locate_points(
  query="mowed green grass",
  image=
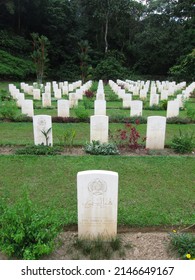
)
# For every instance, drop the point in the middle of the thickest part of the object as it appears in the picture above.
(152, 190)
(21, 133)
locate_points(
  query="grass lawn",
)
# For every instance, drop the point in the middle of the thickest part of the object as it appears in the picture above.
(22, 133)
(152, 190)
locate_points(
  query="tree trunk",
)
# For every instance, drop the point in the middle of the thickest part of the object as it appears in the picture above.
(106, 35)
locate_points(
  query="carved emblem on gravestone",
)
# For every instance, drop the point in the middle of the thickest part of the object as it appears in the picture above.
(97, 187)
(42, 123)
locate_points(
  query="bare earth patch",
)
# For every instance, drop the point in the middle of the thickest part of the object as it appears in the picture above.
(136, 246)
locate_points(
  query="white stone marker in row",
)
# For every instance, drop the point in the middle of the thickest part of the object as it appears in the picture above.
(36, 94)
(99, 128)
(136, 108)
(46, 99)
(155, 135)
(42, 124)
(154, 99)
(63, 108)
(27, 108)
(97, 201)
(127, 98)
(99, 107)
(172, 108)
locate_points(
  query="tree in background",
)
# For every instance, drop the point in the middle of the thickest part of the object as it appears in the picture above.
(84, 59)
(40, 55)
(184, 69)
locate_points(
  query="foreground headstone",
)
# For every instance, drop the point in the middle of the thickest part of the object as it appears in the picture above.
(97, 200)
(99, 128)
(42, 125)
(63, 108)
(27, 108)
(155, 135)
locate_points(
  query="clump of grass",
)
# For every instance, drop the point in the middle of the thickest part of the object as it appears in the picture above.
(99, 249)
(184, 245)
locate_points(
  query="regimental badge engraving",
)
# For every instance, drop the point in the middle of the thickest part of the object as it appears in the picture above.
(97, 187)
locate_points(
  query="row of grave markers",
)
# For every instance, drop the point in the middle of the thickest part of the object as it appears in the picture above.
(136, 106)
(99, 128)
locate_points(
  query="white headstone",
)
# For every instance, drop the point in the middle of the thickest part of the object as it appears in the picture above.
(164, 94)
(27, 108)
(20, 98)
(58, 93)
(136, 108)
(99, 107)
(63, 108)
(172, 108)
(143, 94)
(46, 99)
(127, 98)
(154, 99)
(97, 200)
(155, 135)
(73, 100)
(99, 128)
(42, 124)
(36, 94)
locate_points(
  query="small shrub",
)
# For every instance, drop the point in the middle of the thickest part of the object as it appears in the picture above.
(89, 94)
(4, 95)
(164, 104)
(99, 249)
(184, 244)
(67, 138)
(178, 120)
(8, 109)
(190, 113)
(39, 150)
(88, 104)
(129, 136)
(96, 148)
(184, 143)
(27, 232)
(81, 113)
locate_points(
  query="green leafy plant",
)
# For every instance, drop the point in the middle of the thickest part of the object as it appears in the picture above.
(183, 143)
(97, 148)
(40, 54)
(46, 134)
(8, 109)
(99, 249)
(88, 104)
(38, 150)
(190, 113)
(67, 139)
(81, 113)
(26, 231)
(184, 244)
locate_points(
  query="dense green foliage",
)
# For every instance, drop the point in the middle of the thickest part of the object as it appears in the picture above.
(96, 148)
(26, 231)
(152, 38)
(184, 244)
(184, 142)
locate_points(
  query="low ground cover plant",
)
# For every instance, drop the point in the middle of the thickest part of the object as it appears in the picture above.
(97, 148)
(184, 244)
(184, 142)
(39, 150)
(26, 231)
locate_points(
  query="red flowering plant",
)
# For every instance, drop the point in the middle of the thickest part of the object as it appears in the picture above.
(89, 93)
(129, 136)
